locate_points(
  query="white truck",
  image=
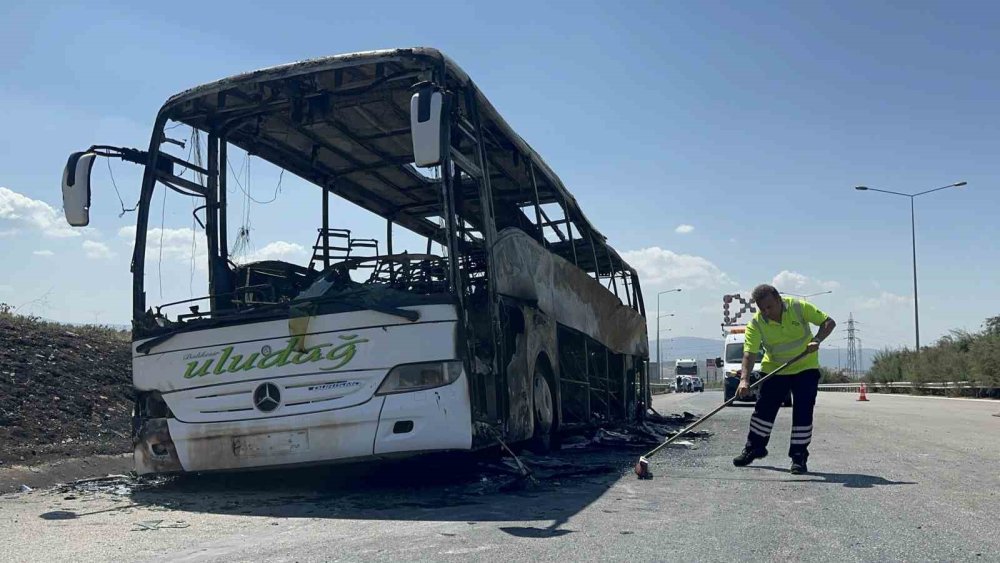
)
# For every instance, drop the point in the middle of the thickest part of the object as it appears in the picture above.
(688, 378)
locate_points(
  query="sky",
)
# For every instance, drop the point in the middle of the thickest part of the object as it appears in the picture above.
(716, 146)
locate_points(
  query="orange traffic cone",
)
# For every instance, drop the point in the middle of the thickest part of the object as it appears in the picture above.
(864, 393)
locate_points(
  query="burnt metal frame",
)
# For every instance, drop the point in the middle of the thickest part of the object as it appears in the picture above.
(484, 137)
(215, 205)
(489, 233)
(215, 194)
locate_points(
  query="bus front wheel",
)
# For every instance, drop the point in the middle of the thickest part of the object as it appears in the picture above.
(543, 408)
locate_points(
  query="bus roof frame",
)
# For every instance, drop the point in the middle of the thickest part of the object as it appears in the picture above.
(204, 107)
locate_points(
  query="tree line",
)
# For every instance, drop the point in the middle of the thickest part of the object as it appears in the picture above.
(973, 357)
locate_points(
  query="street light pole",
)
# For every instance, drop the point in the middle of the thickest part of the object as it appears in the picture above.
(659, 366)
(806, 296)
(913, 238)
(916, 307)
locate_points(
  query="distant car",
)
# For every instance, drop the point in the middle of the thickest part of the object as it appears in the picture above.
(688, 384)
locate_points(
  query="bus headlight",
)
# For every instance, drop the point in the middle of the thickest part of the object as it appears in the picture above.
(417, 377)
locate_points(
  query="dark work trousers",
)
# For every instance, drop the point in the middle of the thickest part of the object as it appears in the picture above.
(803, 386)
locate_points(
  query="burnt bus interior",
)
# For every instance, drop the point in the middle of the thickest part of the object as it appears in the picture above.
(344, 124)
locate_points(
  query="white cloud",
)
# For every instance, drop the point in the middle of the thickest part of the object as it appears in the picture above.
(177, 244)
(97, 250)
(886, 300)
(657, 266)
(43, 253)
(21, 210)
(794, 282)
(278, 250)
(684, 229)
(9, 232)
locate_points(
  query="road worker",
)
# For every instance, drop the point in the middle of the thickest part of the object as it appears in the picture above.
(781, 326)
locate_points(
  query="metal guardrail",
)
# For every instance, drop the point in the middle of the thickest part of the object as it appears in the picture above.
(660, 388)
(856, 386)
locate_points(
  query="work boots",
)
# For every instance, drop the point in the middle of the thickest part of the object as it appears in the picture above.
(748, 455)
(799, 464)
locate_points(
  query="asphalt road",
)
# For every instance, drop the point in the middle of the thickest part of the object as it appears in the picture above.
(897, 478)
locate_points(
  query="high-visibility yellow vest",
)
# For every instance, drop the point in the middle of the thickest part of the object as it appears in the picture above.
(784, 340)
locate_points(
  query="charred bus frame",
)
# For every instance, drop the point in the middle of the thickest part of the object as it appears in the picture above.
(536, 286)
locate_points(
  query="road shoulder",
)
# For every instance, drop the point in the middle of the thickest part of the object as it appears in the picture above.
(62, 471)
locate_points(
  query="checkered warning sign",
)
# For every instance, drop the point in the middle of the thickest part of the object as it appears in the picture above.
(730, 318)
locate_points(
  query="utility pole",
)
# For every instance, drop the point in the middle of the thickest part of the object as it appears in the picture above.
(853, 365)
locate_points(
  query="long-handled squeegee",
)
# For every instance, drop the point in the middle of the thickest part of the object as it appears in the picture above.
(642, 466)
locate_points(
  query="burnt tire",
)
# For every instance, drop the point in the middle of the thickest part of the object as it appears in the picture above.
(543, 440)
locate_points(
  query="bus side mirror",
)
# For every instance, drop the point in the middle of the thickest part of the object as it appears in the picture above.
(76, 188)
(426, 126)
(718, 362)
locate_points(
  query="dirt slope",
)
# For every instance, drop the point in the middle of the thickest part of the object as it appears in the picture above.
(64, 390)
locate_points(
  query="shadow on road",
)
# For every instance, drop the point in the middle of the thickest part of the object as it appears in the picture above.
(849, 480)
(442, 488)
(447, 487)
(69, 515)
(536, 533)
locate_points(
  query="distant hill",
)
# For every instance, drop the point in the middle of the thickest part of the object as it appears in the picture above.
(702, 348)
(686, 347)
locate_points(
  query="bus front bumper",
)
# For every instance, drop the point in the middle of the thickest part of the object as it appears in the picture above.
(436, 419)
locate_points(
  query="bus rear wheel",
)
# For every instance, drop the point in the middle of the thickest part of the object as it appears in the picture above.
(543, 439)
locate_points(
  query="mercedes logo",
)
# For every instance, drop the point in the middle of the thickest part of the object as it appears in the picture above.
(266, 397)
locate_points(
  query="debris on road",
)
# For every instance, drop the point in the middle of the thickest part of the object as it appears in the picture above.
(26, 489)
(597, 456)
(119, 485)
(113, 484)
(654, 430)
(158, 525)
(523, 471)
